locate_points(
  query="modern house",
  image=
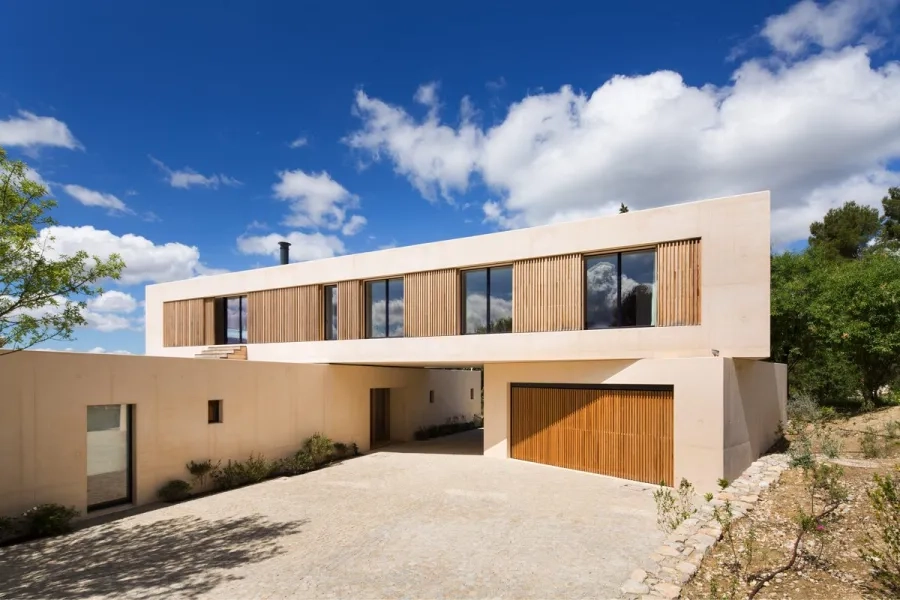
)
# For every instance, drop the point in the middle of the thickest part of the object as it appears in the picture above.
(628, 345)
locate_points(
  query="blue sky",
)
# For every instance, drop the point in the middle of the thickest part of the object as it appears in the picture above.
(165, 130)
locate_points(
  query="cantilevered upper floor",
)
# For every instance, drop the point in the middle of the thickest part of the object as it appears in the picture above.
(677, 281)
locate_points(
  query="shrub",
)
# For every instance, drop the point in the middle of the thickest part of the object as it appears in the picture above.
(421, 433)
(354, 449)
(830, 445)
(802, 408)
(477, 421)
(883, 549)
(300, 462)
(7, 527)
(237, 473)
(870, 444)
(48, 519)
(319, 447)
(341, 450)
(201, 470)
(800, 453)
(175, 490)
(673, 508)
(892, 429)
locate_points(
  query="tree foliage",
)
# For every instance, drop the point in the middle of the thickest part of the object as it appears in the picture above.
(42, 294)
(845, 231)
(623, 208)
(836, 306)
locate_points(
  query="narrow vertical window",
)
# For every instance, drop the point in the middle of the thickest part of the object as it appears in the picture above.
(236, 320)
(395, 308)
(488, 300)
(214, 411)
(331, 317)
(638, 288)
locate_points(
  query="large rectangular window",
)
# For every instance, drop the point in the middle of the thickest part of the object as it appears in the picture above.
(488, 300)
(384, 308)
(620, 290)
(236, 320)
(331, 316)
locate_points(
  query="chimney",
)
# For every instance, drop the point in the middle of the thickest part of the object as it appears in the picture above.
(285, 252)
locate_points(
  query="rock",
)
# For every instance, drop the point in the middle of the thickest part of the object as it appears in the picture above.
(638, 575)
(749, 499)
(686, 567)
(702, 538)
(667, 551)
(667, 590)
(635, 587)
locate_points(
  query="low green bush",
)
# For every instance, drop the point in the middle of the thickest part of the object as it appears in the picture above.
(237, 473)
(174, 490)
(7, 527)
(882, 551)
(453, 425)
(320, 448)
(202, 470)
(870, 444)
(297, 463)
(48, 519)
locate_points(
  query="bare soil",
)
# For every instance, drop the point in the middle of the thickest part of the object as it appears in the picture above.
(830, 565)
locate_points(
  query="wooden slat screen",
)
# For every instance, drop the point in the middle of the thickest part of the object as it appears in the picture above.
(285, 315)
(622, 433)
(431, 303)
(183, 323)
(548, 294)
(678, 278)
(209, 321)
(351, 321)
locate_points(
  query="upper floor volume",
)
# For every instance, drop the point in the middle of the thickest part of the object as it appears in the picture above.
(683, 280)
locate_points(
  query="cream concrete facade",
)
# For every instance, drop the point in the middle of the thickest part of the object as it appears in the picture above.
(268, 408)
(734, 291)
(726, 410)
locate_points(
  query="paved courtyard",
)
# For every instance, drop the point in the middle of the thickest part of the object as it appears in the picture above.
(419, 520)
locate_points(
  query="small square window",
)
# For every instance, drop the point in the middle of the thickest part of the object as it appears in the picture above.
(215, 411)
(431, 396)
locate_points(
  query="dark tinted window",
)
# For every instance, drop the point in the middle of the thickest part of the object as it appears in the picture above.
(384, 312)
(620, 290)
(601, 292)
(488, 300)
(475, 294)
(331, 319)
(236, 320)
(637, 281)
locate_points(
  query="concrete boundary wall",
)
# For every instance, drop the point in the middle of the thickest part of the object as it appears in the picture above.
(268, 408)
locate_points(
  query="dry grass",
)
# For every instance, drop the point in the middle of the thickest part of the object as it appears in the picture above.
(830, 565)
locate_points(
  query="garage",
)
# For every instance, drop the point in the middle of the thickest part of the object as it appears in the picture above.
(618, 430)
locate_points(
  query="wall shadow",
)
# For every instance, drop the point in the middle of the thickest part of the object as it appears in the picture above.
(184, 556)
(470, 443)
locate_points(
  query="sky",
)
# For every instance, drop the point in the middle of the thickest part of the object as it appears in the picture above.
(191, 137)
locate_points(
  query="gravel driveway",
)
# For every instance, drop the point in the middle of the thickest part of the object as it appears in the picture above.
(419, 520)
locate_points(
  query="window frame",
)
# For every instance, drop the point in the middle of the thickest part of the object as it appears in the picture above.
(328, 312)
(387, 307)
(487, 291)
(243, 333)
(584, 282)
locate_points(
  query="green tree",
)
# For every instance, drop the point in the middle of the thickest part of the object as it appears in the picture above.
(845, 231)
(859, 310)
(42, 296)
(890, 223)
(623, 208)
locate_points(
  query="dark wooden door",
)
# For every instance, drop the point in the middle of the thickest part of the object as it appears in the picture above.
(380, 416)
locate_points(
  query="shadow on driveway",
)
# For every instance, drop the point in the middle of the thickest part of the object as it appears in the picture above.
(466, 443)
(185, 556)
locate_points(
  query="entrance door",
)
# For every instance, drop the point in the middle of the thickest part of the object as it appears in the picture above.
(380, 416)
(109, 460)
(623, 431)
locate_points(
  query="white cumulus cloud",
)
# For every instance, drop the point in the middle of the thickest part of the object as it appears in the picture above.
(145, 261)
(304, 246)
(298, 142)
(816, 132)
(113, 301)
(829, 26)
(93, 198)
(29, 130)
(187, 177)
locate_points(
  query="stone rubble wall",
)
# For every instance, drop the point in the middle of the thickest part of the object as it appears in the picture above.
(674, 563)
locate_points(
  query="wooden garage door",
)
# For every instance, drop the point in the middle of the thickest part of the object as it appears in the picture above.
(623, 431)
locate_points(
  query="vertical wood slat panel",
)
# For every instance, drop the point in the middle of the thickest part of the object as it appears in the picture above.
(548, 294)
(622, 433)
(432, 303)
(351, 306)
(209, 321)
(678, 278)
(284, 315)
(183, 323)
